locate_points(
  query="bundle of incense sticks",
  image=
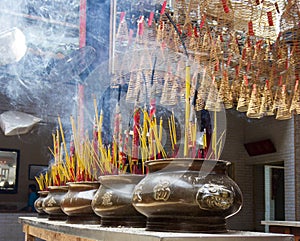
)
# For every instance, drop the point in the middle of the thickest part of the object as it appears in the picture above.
(43, 181)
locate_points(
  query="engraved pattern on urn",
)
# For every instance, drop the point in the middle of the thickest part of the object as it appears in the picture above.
(106, 199)
(51, 202)
(214, 197)
(137, 195)
(162, 191)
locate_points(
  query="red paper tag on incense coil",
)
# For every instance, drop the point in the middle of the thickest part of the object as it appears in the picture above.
(280, 81)
(246, 81)
(244, 54)
(189, 32)
(151, 16)
(225, 74)
(296, 85)
(270, 18)
(229, 60)
(259, 44)
(225, 6)
(217, 65)
(202, 21)
(141, 26)
(221, 38)
(161, 25)
(287, 64)
(249, 44)
(122, 16)
(277, 7)
(250, 28)
(254, 88)
(257, 2)
(268, 84)
(196, 32)
(248, 66)
(179, 28)
(237, 70)
(163, 8)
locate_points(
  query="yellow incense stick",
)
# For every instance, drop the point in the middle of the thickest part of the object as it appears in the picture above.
(171, 135)
(173, 128)
(187, 107)
(160, 129)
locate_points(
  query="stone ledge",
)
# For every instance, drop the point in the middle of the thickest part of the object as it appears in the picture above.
(96, 232)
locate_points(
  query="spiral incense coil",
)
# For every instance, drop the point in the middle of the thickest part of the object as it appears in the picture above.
(159, 32)
(290, 32)
(122, 35)
(176, 42)
(295, 105)
(139, 88)
(276, 101)
(254, 104)
(244, 98)
(266, 107)
(283, 111)
(167, 89)
(234, 89)
(213, 102)
(180, 11)
(174, 95)
(193, 45)
(200, 103)
(233, 46)
(130, 96)
(225, 92)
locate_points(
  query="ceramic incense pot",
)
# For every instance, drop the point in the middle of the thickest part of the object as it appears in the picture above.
(38, 204)
(187, 195)
(77, 203)
(51, 203)
(112, 202)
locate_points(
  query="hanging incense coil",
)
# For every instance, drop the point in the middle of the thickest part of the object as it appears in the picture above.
(264, 26)
(202, 91)
(225, 92)
(235, 89)
(218, 11)
(213, 102)
(167, 89)
(244, 98)
(122, 36)
(193, 13)
(193, 44)
(254, 104)
(130, 96)
(266, 107)
(290, 32)
(283, 111)
(276, 101)
(295, 105)
(180, 11)
(174, 94)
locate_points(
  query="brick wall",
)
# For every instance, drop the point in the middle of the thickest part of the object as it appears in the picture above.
(297, 165)
(249, 171)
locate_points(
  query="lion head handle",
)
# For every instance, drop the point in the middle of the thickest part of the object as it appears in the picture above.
(214, 197)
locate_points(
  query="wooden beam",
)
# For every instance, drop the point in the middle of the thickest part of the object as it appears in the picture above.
(34, 232)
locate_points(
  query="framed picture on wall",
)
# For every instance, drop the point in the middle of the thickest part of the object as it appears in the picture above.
(36, 170)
